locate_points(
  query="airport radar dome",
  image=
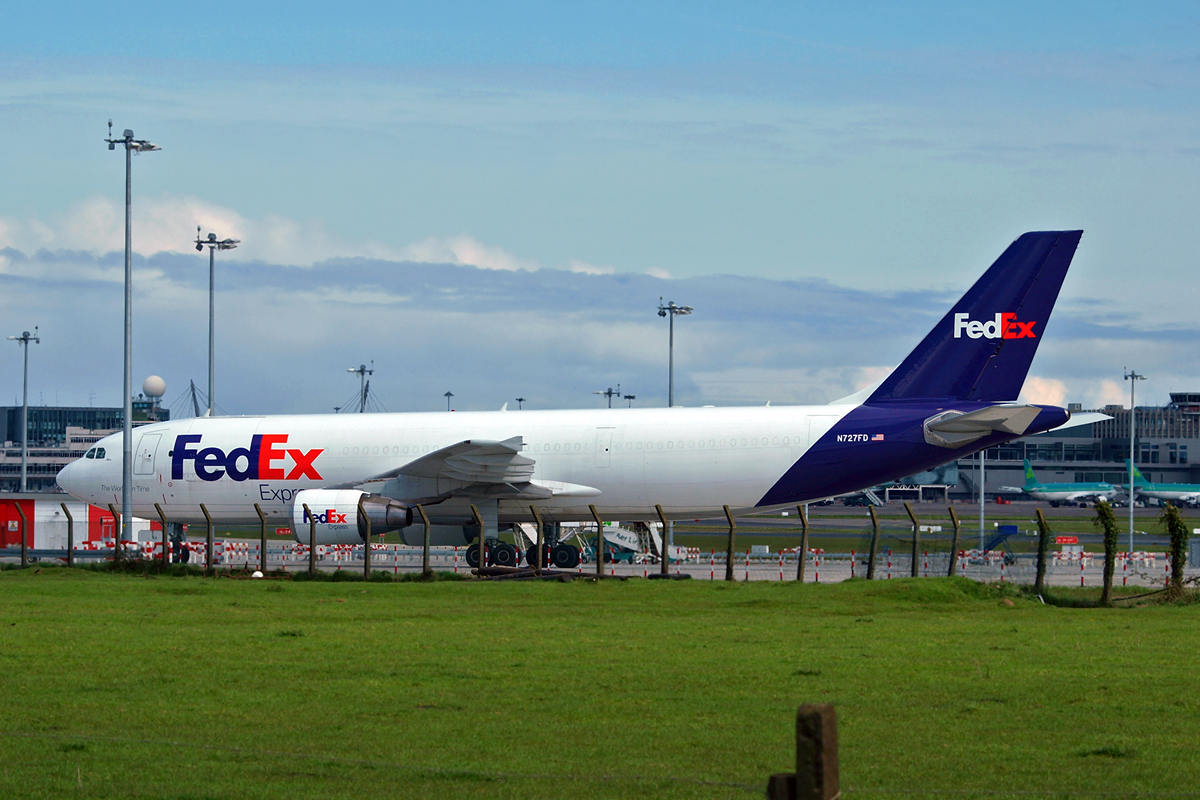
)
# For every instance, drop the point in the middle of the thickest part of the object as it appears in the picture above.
(154, 386)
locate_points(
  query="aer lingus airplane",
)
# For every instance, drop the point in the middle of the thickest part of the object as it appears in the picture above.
(953, 395)
(1173, 492)
(1062, 492)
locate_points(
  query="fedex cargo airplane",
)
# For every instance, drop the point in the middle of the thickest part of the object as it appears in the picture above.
(954, 395)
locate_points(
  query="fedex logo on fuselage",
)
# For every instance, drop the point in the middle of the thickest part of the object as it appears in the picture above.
(328, 517)
(255, 462)
(1003, 326)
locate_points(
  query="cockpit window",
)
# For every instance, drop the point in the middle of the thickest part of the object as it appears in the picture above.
(90, 453)
(99, 452)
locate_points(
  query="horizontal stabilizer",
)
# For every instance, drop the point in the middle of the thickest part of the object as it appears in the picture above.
(957, 429)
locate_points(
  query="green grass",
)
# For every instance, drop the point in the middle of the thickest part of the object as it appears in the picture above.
(185, 687)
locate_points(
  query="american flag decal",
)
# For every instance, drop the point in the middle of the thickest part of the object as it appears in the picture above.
(877, 437)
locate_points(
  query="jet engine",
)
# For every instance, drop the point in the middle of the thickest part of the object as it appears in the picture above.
(337, 516)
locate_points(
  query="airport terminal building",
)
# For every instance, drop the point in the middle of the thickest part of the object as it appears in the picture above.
(1167, 450)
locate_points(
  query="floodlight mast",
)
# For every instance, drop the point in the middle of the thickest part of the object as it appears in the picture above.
(362, 372)
(24, 339)
(131, 146)
(671, 310)
(213, 245)
(1133, 378)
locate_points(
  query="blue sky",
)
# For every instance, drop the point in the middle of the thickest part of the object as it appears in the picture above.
(889, 150)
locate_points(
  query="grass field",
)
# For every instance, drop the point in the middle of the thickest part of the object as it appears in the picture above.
(121, 686)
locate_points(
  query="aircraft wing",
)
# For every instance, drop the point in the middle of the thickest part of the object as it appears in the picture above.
(475, 461)
(957, 429)
(471, 468)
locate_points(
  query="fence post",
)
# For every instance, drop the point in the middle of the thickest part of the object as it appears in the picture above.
(163, 519)
(816, 775)
(312, 540)
(729, 546)
(208, 542)
(953, 543)
(541, 540)
(425, 570)
(916, 541)
(116, 531)
(874, 543)
(24, 535)
(1043, 542)
(262, 539)
(803, 542)
(665, 554)
(70, 536)
(362, 514)
(482, 547)
(599, 541)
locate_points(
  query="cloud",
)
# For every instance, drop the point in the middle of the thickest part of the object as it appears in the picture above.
(575, 265)
(464, 249)
(659, 272)
(1044, 391)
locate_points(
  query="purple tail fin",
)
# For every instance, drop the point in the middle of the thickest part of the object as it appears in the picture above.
(982, 349)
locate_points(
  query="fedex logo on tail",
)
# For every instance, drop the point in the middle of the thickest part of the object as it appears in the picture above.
(1003, 326)
(265, 459)
(328, 517)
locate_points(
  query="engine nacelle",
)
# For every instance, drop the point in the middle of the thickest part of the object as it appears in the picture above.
(337, 517)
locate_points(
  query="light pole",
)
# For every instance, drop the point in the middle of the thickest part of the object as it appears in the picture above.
(630, 398)
(131, 146)
(520, 402)
(213, 246)
(448, 395)
(1133, 378)
(24, 339)
(671, 310)
(362, 372)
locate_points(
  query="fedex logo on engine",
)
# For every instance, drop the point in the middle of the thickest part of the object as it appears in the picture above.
(327, 517)
(1003, 326)
(255, 462)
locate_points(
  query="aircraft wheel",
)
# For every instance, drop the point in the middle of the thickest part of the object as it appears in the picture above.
(504, 555)
(473, 556)
(531, 557)
(564, 556)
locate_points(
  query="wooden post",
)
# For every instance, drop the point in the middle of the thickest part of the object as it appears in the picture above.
(916, 540)
(162, 518)
(312, 540)
(803, 543)
(70, 536)
(362, 514)
(208, 541)
(599, 540)
(116, 532)
(425, 569)
(665, 554)
(874, 544)
(262, 536)
(482, 548)
(954, 543)
(816, 776)
(1043, 542)
(730, 545)
(24, 535)
(541, 540)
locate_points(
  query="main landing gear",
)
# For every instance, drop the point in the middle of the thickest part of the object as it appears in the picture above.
(560, 556)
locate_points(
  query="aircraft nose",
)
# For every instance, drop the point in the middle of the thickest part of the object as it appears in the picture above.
(64, 478)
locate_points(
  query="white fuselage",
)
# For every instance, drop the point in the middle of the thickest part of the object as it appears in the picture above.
(691, 461)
